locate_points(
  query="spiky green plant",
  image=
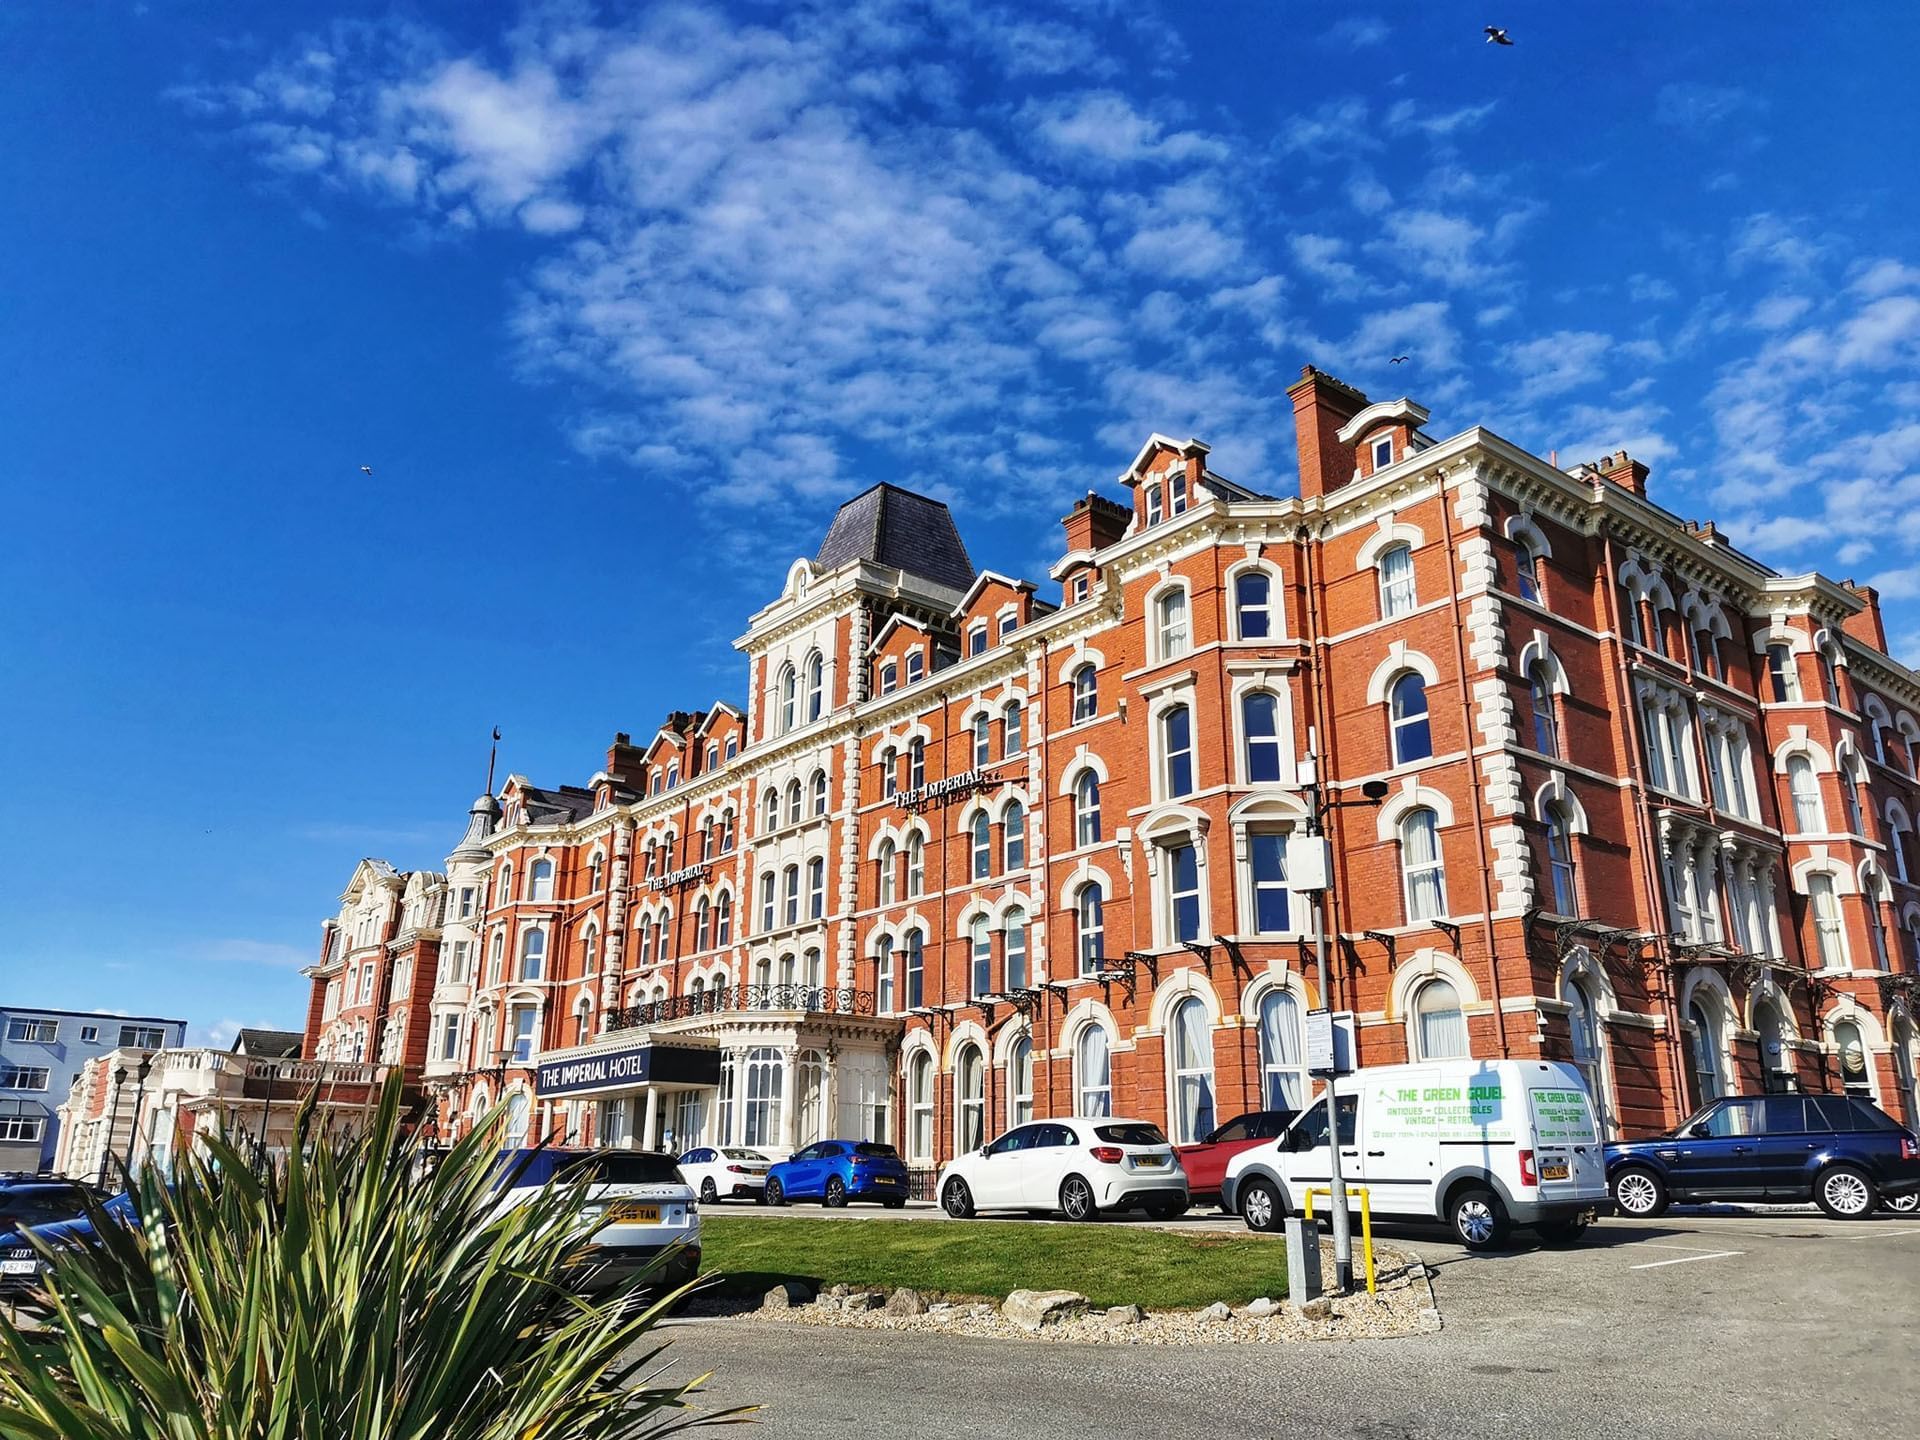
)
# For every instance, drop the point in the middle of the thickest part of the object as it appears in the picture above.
(343, 1294)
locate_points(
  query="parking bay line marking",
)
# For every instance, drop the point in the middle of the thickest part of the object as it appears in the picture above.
(1879, 1235)
(1687, 1259)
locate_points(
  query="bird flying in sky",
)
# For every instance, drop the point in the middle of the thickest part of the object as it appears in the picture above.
(366, 470)
(1399, 360)
(1497, 36)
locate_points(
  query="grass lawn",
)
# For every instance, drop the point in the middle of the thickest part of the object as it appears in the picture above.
(1109, 1264)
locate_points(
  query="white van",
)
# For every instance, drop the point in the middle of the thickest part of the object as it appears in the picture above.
(1484, 1145)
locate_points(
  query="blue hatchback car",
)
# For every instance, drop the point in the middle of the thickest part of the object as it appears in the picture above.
(836, 1171)
(1843, 1153)
(21, 1265)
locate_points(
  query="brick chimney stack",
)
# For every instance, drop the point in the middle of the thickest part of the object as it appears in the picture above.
(1867, 626)
(1626, 472)
(1095, 522)
(1321, 405)
(626, 762)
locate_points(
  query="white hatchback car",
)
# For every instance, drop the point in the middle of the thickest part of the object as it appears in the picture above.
(643, 1214)
(1079, 1166)
(726, 1172)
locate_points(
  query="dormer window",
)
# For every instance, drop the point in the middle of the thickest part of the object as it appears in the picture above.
(1153, 504)
(915, 664)
(1007, 624)
(889, 677)
(673, 774)
(1177, 492)
(1383, 452)
(1082, 584)
(977, 638)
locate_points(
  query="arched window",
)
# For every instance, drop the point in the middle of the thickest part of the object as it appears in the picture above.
(583, 1021)
(589, 952)
(663, 927)
(643, 939)
(1589, 1049)
(1090, 917)
(1856, 1075)
(1192, 1038)
(1526, 569)
(596, 870)
(810, 1116)
(518, 1112)
(1014, 836)
(916, 665)
(1176, 492)
(816, 685)
(1412, 735)
(977, 638)
(1783, 675)
(1154, 507)
(1253, 604)
(790, 893)
(1180, 865)
(706, 838)
(1708, 1081)
(702, 925)
(889, 676)
(1809, 814)
(884, 999)
(1439, 1025)
(1020, 1081)
(793, 802)
(1170, 623)
(773, 807)
(889, 773)
(1421, 865)
(540, 880)
(766, 1076)
(1267, 854)
(1260, 732)
(713, 756)
(920, 1107)
(979, 958)
(982, 741)
(1546, 726)
(768, 918)
(1013, 736)
(533, 954)
(1092, 1073)
(1829, 931)
(1015, 940)
(886, 863)
(1566, 898)
(813, 975)
(673, 773)
(916, 763)
(1397, 595)
(789, 687)
(915, 989)
(1282, 1052)
(1176, 750)
(980, 846)
(916, 866)
(819, 792)
(1086, 693)
(816, 888)
(969, 1100)
(723, 919)
(1086, 809)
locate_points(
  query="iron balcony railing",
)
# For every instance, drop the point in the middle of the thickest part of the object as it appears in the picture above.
(728, 999)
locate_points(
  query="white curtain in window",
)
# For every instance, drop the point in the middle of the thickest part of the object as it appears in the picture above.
(1095, 1073)
(1442, 1024)
(1193, 1072)
(1282, 1052)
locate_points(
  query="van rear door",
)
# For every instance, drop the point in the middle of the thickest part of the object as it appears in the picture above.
(1566, 1144)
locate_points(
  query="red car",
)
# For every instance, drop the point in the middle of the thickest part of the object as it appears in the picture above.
(1206, 1162)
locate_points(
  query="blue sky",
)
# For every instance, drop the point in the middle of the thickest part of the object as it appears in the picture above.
(618, 305)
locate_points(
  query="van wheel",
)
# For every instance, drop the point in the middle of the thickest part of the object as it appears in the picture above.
(1260, 1206)
(1639, 1193)
(1846, 1192)
(1478, 1218)
(957, 1200)
(1562, 1232)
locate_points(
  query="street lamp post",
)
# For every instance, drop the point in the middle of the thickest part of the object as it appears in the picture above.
(139, 1098)
(113, 1115)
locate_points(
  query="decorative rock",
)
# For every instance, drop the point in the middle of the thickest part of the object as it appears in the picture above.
(905, 1301)
(864, 1300)
(1125, 1315)
(840, 1292)
(1031, 1309)
(1320, 1308)
(1262, 1308)
(1216, 1311)
(826, 1300)
(784, 1296)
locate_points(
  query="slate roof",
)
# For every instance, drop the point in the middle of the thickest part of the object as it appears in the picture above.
(556, 807)
(896, 527)
(268, 1044)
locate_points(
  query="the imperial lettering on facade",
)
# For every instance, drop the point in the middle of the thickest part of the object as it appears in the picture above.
(598, 1070)
(1650, 810)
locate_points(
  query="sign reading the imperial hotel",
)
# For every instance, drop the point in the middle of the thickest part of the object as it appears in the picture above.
(941, 793)
(633, 1066)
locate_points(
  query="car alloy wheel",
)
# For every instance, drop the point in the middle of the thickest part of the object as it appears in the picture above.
(1846, 1194)
(1259, 1206)
(1637, 1193)
(776, 1193)
(709, 1195)
(836, 1192)
(1076, 1199)
(957, 1200)
(1904, 1204)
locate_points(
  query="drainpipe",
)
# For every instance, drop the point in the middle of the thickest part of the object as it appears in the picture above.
(1473, 776)
(1636, 761)
(1043, 1006)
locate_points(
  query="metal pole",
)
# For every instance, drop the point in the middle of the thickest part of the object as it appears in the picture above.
(113, 1115)
(266, 1114)
(1336, 1182)
(139, 1098)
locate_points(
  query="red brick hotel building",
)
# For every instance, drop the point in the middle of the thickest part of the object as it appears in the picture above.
(976, 850)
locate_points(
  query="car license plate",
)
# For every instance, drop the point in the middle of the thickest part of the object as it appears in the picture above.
(634, 1214)
(886, 1179)
(18, 1267)
(1553, 1170)
(1149, 1162)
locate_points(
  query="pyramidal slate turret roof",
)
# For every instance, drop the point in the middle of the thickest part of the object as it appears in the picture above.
(896, 527)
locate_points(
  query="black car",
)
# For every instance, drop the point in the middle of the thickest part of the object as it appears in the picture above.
(1843, 1153)
(48, 1208)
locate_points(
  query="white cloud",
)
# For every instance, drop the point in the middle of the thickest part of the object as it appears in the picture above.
(1359, 32)
(1447, 249)
(1104, 126)
(275, 953)
(1882, 277)
(1776, 312)
(1404, 117)
(1689, 106)
(1323, 257)
(1556, 363)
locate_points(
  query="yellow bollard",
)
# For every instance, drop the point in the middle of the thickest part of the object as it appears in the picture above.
(1366, 1222)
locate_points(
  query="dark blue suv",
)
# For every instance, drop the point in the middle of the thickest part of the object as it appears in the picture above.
(836, 1171)
(1841, 1152)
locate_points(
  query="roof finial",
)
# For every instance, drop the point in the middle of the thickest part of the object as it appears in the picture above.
(492, 755)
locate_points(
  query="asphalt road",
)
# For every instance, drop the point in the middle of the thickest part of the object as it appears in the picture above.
(1702, 1323)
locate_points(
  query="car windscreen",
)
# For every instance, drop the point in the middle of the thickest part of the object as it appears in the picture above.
(876, 1150)
(622, 1167)
(1130, 1134)
(744, 1155)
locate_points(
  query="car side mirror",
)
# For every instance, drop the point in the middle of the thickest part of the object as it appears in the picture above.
(1699, 1131)
(981, 1151)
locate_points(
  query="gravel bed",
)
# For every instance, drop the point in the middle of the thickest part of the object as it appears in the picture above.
(1404, 1305)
